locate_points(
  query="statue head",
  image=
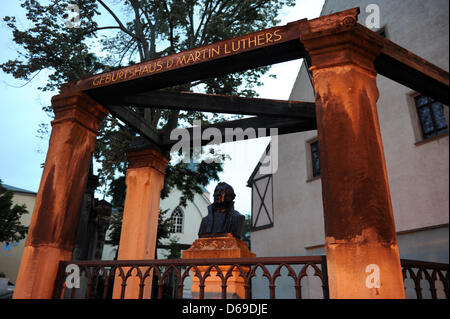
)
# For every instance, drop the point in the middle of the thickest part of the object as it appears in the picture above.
(223, 195)
(222, 218)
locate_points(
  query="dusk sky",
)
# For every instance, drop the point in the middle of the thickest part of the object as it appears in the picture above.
(22, 152)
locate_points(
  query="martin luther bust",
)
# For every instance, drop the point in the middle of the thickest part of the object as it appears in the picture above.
(222, 218)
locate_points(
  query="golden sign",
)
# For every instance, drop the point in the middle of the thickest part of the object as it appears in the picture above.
(189, 57)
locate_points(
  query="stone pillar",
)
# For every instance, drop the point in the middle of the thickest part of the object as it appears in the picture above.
(361, 244)
(56, 211)
(144, 180)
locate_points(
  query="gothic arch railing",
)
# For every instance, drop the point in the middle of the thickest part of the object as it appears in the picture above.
(422, 279)
(99, 276)
(421, 272)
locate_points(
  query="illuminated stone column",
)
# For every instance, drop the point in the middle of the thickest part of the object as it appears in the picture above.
(361, 244)
(56, 211)
(144, 180)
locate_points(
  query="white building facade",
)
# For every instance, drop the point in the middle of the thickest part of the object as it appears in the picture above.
(186, 219)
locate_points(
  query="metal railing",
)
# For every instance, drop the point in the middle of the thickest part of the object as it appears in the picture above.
(423, 273)
(169, 276)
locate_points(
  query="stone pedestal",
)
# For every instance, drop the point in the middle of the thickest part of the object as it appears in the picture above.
(213, 248)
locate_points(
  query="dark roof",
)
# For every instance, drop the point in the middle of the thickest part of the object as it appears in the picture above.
(255, 171)
(17, 189)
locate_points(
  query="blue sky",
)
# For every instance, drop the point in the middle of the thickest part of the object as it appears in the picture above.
(22, 152)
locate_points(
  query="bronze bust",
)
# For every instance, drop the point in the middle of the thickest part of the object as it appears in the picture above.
(222, 218)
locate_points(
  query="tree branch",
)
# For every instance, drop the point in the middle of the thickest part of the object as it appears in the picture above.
(191, 28)
(127, 48)
(209, 18)
(139, 33)
(156, 117)
(171, 39)
(202, 19)
(95, 30)
(121, 26)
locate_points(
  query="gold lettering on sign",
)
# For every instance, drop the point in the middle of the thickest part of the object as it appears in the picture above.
(252, 41)
(279, 37)
(145, 69)
(235, 49)
(217, 52)
(225, 49)
(204, 52)
(260, 39)
(95, 82)
(136, 70)
(192, 57)
(181, 60)
(197, 56)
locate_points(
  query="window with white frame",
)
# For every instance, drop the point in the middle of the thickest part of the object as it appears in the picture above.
(177, 220)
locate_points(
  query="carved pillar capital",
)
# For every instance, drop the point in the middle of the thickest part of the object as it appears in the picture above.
(147, 157)
(80, 108)
(341, 42)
